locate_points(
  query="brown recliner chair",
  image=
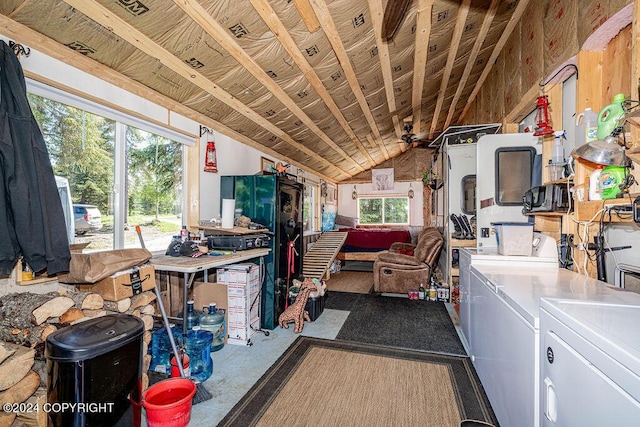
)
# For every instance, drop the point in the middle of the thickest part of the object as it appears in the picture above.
(404, 266)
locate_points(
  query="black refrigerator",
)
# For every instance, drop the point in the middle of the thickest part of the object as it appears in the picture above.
(275, 202)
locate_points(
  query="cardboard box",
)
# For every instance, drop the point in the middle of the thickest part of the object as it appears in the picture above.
(207, 292)
(123, 284)
(243, 293)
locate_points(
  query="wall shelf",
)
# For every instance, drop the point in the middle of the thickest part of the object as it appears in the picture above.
(563, 213)
(585, 211)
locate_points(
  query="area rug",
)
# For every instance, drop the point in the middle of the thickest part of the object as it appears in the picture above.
(320, 382)
(397, 322)
(351, 281)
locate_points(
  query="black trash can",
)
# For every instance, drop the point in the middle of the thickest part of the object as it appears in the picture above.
(93, 368)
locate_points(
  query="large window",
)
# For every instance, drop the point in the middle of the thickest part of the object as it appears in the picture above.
(383, 210)
(119, 176)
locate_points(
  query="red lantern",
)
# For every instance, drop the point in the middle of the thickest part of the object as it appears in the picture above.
(543, 121)
(210, 161)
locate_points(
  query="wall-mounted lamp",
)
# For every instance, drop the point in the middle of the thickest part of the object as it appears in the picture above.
(354, 194)
(410, 194)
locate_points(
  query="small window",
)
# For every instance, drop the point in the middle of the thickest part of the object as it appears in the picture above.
(383, 210)
(511, 186)
(468, 199)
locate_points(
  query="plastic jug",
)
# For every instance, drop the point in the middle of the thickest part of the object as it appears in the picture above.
(198, 350)
(610, 116)
(213, 321)
(161, 350)
(610, 180)
(586, 127)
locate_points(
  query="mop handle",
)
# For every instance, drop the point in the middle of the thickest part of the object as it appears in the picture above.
(139, 231)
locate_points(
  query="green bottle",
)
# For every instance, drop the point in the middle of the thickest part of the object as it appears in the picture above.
(610, 116)
(610, 179)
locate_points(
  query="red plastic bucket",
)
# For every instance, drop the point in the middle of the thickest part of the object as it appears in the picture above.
(168, 403)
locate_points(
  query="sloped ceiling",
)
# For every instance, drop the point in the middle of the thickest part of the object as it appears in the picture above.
(324, 92)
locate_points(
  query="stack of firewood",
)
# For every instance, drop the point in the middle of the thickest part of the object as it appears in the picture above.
(26, 319)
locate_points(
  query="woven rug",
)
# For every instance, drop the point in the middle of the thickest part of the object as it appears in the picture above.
(320, 382)
(396, 322)
(358, 282)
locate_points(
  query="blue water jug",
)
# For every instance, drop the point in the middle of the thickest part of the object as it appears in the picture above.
(610, 116)
(199, 352)
(161, 350)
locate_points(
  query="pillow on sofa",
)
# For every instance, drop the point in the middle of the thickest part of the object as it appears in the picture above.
(346, 221)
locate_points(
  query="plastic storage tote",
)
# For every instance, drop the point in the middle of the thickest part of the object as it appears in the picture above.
(514, 238)
(93, 363)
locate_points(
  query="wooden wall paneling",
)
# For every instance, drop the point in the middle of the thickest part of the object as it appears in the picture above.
(616, 74)
(589, 83)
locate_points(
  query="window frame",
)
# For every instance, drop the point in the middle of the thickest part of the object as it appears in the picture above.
(121, 120)
(388, 196)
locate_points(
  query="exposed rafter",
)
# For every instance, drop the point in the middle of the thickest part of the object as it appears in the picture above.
(276, 26)
(423, 31)
(109, 20)
(68, 56)
(513, 21)
(307, 14)
(330, 30)
(376, 12)
(482, 35)
(215, 30)
(463, 12)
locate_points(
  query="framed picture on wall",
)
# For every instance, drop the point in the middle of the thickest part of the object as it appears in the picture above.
(331, 194)
(382, 179)
(267, 165)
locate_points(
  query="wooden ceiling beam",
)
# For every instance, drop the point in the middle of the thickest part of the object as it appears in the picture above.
(377, 13)
(200, 16)
(475, 51)
(423, 32)
(307, 14)
(109, 20)
(276, 26)
(461, 19)
(52, 48)
(330, 30)
(513, 21)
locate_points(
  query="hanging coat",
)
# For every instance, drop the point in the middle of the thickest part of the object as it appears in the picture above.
(32, 222)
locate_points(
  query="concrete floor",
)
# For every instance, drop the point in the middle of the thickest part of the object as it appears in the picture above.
(237, 368)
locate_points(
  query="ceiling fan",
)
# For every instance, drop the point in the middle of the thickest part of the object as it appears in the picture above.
(410, 138)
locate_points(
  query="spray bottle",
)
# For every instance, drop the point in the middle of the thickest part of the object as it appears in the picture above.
(557, 156)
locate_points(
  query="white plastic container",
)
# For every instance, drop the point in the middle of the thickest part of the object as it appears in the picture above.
(514, 238)
(557, 157)
(594, 183)
(586, 127)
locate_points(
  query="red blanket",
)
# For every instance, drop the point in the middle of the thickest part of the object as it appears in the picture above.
(373, 239)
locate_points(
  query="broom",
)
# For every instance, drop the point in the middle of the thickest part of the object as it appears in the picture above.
(202, 394)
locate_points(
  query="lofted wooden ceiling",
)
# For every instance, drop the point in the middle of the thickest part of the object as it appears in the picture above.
(309, 81)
